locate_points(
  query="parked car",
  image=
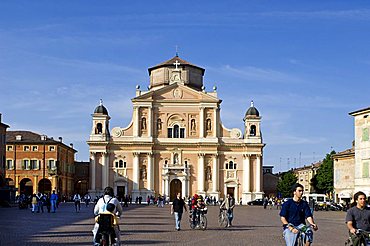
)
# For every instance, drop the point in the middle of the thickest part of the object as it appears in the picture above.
(258, 202)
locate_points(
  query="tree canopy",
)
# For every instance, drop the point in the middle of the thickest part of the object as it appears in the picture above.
(285, 184)
(323, 181)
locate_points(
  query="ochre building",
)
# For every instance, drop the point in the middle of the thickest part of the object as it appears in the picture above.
(36, 163)
(176, 142)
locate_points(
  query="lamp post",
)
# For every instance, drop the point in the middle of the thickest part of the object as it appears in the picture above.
(15, 166)
(43, 138)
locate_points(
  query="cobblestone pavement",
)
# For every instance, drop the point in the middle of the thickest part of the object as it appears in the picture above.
(149, 225)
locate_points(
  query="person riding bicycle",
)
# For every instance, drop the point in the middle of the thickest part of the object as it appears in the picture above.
(112, 228)
(197, 203)
(358, 217)
(101, 206)
(228, 204)
(294, 214)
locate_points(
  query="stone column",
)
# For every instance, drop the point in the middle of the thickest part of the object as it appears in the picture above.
(201, 173)
(16, 184)
(215, 176)
(107, 168)
(92, 171)
(54, 183)
(150, 173)
(104, 171)
(136, 121)
(136, 174)
(35, 181)
(150, 122)
(215, 124)
(201, 123)
(246, 173)
(258, 174)
(166, 184)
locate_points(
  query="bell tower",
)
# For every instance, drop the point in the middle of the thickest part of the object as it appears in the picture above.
(252, 122)
(100, 126)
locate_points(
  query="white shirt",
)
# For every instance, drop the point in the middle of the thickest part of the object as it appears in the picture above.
(100, 205)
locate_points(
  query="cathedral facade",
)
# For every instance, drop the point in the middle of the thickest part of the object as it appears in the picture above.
(176, 142)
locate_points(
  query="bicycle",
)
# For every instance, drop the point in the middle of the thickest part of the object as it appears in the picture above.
(200, 219)
(364, 238)
(223, 220)
(301, 237)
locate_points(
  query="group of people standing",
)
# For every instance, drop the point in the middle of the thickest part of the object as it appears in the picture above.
(39, 201)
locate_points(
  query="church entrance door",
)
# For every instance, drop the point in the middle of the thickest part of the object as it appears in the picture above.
(231, 190)
(175, 187)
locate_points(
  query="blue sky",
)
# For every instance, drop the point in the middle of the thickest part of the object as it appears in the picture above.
(306, 65)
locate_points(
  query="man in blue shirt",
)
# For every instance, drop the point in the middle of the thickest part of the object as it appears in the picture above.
(293, 215)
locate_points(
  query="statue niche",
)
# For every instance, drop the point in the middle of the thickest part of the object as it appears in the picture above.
(143, 123)
(143, 172)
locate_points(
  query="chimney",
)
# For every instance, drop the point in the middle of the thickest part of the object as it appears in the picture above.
(0, 117)
(43, 137)
(60, 139)
(71, 145)
(18, 137)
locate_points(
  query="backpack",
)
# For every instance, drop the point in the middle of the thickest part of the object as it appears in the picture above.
(104, 207)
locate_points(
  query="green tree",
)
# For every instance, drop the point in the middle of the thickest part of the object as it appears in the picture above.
(323, 181)
(285, 183)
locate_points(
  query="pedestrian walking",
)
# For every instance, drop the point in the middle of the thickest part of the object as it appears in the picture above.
(34, 203)
(53, 201)
(77, 200)
(40, 201)
(177, 208)
(87, 199)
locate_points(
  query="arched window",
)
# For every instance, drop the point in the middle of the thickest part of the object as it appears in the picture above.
(120, 164)
(176, 132)
(230, 165)
(99, 128)
(253, 130)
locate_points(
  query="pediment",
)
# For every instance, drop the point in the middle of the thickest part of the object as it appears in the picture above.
(177, 92)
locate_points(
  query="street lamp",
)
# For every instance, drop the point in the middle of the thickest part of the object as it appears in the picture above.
(43, 138)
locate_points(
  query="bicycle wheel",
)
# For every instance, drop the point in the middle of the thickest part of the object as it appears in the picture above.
(192, 226)
(203, 222)
(222, 220)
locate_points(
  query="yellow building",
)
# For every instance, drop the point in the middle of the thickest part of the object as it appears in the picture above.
(176, 142)
(305, 174)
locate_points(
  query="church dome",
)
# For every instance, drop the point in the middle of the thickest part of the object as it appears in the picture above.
(176, 70)
(101, 109)
(252, 111)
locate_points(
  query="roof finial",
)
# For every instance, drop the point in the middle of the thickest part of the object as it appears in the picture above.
(177, 50)
(101, 102)
(252, 103)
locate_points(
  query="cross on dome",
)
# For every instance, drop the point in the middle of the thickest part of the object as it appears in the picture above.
(101, 102)
(252, 103)
(177, 64)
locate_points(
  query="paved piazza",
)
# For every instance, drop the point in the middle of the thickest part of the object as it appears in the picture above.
(149, 225)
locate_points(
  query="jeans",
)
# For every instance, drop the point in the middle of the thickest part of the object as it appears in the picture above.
(77, 205)
(53, 205)
(291, 237)
(40, 206)
(230, 216)
(178, 219)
